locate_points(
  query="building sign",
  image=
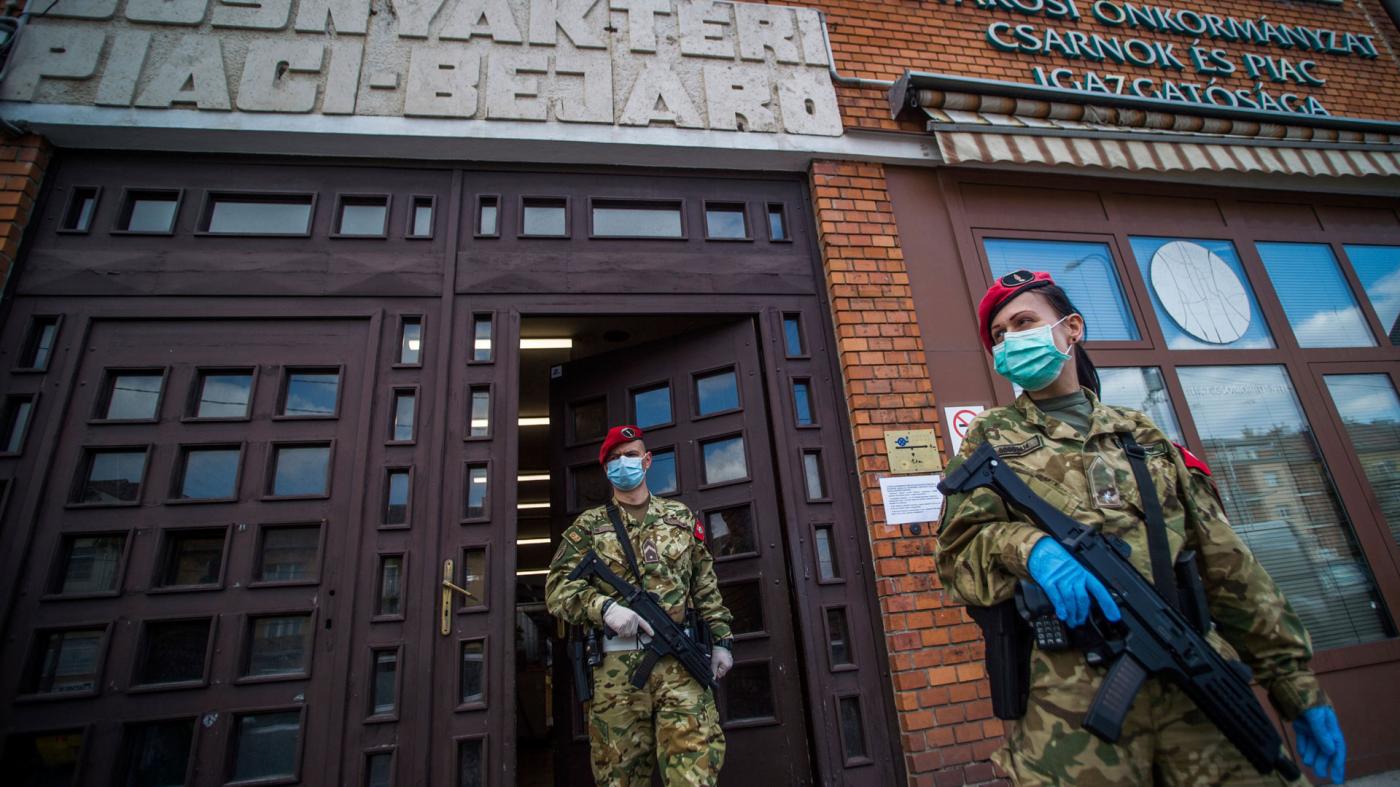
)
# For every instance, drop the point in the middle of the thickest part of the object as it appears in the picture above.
(692, 64)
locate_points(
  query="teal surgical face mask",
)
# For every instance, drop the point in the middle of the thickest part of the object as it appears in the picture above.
(1030, 359)
(626, 472)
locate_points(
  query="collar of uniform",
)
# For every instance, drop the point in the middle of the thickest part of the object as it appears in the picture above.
(1054, 428)
(654, 511)
(1105, 419)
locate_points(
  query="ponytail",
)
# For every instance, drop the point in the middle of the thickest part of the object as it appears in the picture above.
(1088, 373)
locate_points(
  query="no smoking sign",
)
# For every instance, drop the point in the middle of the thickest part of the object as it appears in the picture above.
(958, 419)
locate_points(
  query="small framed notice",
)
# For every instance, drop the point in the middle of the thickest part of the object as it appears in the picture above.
(910, 499)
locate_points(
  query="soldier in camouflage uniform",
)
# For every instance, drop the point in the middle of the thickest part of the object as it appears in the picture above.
(1060, 439)
(673, 715)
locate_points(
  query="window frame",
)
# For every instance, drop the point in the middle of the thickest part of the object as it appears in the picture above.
(103, 400)
(471, 390)
(260, 541)
(477, 204)
(270, 474)
(371, 717)
(846, 761)
(720, 204)
(522, 202)
(245, 622)
(284, 385)
(138, 660)
(53, 586)
(389, 617)
(167, 534)
(31, 338)
(393, 413)
(703, 482)
(632, 391)
(694, 393)
(231, 744)
(404, 318)
(787, 225)
(410, 221)
(461, 566)
(679, 203)
(474, 317)
(407, 524)
(345, 199)
(485, 702)
(84, 467)
(127, 203)
(124, 758)
(190, 413)
(212, 196)
(68, 206)
(7, 425)
(180, 464)
(853, 664)
(753, 523)
(27, 695)
(486, 503)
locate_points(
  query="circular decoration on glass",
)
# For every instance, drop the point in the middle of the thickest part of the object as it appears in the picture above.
(1200, 292)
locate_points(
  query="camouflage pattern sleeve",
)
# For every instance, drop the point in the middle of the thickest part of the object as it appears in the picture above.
(1249, 610)
(573, 601)
(704, 587)
(982, 546)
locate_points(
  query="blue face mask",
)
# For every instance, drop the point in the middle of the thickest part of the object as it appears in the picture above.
(626, 473)
(1031, 359)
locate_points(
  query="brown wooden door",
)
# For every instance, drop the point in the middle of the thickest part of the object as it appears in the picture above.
(700, 401)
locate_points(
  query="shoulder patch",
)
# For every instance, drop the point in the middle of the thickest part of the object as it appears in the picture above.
(699, 531)
(1192, 461)
(1158, 448)
(1020, 449)
(573, 535)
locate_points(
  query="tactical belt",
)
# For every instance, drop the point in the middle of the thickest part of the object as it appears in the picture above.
(1163, 575)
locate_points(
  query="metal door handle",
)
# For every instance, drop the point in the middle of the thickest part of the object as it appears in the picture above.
(448, 587)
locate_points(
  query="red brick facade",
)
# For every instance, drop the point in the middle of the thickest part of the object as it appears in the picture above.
(22, 163)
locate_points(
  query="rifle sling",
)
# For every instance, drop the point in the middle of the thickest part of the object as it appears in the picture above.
(621, 531)
(1163, 575)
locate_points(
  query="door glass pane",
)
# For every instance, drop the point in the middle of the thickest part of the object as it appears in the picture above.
(133, 397)
(1280, 498)
(113, 477)
(730, 531)
(745, 603)
(411, 341)
(792, 335)
(152, 214)
(193, 558)
(50, 758)
(651, 407)
(481, 337)
(840, 642)
(260, 217)
(827, 567)
(278, 645)
(157, 754)
(265, 745)
(1378, 268)
(477, 487)
(1201, 294)
(289, 553)
(386, 671)
(480, 425)
(802, 402)
(379, 770)
(16, 422)
(66, 661)
(469, 764)
(812, 472)
(174, 651)
(362, 218)
(473, 672)
(661, 476)
(662, 221)
(590, 486)
(545, 217)
(81, 206)
(311, 393)
(590, 420)
(725, 221)
(1315, 295)
(1084, 270)
(717, 392)
(90, 563)
(486, 217)
(404, 404)
(210, 473)
(1141, 388)
(777, 223)
(39, 346)
(396, 498)
(748, 691)
(724, 460)
(301, 470)
(1370, 409)
(422, 218)
(852, 728)
(474, 577)
(224, 394)
(390, 600)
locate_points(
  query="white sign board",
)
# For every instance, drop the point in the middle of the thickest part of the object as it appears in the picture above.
(956, 421)
(911, 498)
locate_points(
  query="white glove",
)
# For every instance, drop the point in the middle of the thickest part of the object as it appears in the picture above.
(624, 622)
(720, 662)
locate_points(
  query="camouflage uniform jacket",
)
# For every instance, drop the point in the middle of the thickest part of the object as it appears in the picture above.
(984, 546)
(676, 565)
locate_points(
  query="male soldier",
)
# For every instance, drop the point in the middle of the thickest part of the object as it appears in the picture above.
(673, 714)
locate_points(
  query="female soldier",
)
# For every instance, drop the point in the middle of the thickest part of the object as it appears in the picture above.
(1063, 442)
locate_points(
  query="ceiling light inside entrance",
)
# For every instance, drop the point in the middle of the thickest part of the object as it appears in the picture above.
(546, 344)
(525, 542)
(534, 572)
(535, 421)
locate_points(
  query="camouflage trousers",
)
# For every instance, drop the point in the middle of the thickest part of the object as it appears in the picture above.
(672, 716)
(1166, 739)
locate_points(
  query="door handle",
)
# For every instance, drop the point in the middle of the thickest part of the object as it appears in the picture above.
(448, 588)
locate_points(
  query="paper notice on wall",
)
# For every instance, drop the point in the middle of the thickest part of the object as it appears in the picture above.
(911, 498)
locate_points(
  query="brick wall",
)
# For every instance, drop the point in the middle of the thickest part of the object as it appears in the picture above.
(22, 164)
(946, 726)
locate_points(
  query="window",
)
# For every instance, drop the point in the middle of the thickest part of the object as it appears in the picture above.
(301, 470)
(1085, 271)
(731, 531)
(748, 691)
(131, 396)
(149, 212)
(726, 221)
(472, 676)
(474, 577)
(48, 757)
(651, 406)
(479, 421)
(481, 338)
(828, 570)
(661, 476)
(838, 637)
(39, 343)
(191, 558)
(852, 728)
(477, 491)
(1251, 423)
(1201, 295)
(745, 602)
(724, 460)
(1315, 296)
(421, 217)
(362, 217)
(89, 563)
(411, 341)
(157, 752)
(172, 651)
(405, 403)
(397, 489)
(384, 690)
(813, 475)
(588, 420)
(310, 393)
(379, 769)
(278, 645)
(289, 553)
(716, 392)
(1370, 409)
(794, 345)
(487, 216)
(777, 223)
(1378, 268)
(15, 422)
(1141, 388)
(471, 763)
(111, 477)
(588, 486)
(626, 219)
(208, 473)
(223, 393)
(802, 402)
(259, 214)
(65, 661)
(82, 204)
(266, 745)
(389, 601)
(544, 217)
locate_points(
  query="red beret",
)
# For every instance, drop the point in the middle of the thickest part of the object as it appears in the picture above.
(617, 436)
(1002, 290)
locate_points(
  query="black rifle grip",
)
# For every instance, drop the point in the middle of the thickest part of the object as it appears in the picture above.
(1115, 698)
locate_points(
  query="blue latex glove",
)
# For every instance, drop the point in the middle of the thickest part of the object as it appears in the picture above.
(1320, 743)
(1067, 584)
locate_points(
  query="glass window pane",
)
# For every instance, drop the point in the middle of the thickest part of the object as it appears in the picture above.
(637, 222)
(477, 488)
(174, 651)
(474, 577)
(777, 223)
(544, 218)
(157, 754)
(278, 645)
(224, 395)
(17, 422)
(1315, 295)
(470, 765)
(473, 672)
(210, 473)
(80, 209)
(802, 402)
(1378, 268)
(725, 221)
(730, 531)
(113, 477)
(480, 421)
(266, 745)
(379, 770)
(289, 553)
(724, 460)
(486, 220)
(50, 758)
(661, 476)
(42, 335)
(792, 335)
(396, 498)
(386, 682)
(411, 341)
(311, 393)
(1201, 295)
(66, 661)
(840, 642)
(422, 218)
(590, 486)
(745, 603)
(827, 567)
(812, 472)
(404, 404)
(301, 470)
(1280, 498)
(152, 214)
(590, 420)
(717, 392)
(1085, 271)
(852, 728)
(362, 218)
(1370, 409)
(1141, 388)
(651, 407)
(390, 599)
(193, 558)
(133, 397)
(90, 563)
(481, 338)
(261, 217)
(748, 691)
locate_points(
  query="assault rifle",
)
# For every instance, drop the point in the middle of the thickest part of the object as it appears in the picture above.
(669, 640)
(1153, 638)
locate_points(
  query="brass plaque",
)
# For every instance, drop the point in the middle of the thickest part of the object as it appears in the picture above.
(912, 451)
